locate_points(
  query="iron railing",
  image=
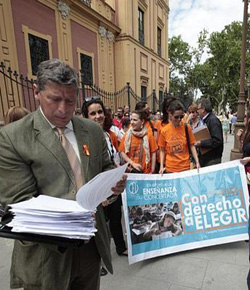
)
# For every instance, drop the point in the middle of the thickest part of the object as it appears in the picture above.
(17, 90)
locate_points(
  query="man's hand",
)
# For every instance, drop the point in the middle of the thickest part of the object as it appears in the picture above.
(120, 185)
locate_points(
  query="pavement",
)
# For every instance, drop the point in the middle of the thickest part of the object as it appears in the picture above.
(222, 267)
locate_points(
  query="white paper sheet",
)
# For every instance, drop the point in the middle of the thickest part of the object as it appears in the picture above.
(98, 189)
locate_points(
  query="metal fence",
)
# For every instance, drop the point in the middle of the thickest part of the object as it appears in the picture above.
(17, 90)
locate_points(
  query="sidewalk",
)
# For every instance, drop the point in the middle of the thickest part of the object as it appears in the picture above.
(223, 267)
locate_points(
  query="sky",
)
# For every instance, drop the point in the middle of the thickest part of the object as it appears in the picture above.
(188, 17)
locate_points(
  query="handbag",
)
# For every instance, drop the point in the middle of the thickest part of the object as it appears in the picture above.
(130, 168)
(191, 158)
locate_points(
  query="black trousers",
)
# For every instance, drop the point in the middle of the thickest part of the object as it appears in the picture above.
(114, 215)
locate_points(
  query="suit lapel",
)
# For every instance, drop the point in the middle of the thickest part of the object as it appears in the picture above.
(47, 137)
(82, 137)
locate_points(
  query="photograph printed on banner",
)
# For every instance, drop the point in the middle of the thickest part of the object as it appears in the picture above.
(150, 222)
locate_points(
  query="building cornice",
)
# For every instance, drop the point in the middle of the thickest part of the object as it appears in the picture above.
(80, 7)
(163, 4)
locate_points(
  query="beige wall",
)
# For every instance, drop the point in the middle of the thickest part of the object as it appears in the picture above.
(136, 63)
(8, 54)
(112, 25)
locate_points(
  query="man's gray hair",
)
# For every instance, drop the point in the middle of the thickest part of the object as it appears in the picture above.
(206, 104)
(56, 71)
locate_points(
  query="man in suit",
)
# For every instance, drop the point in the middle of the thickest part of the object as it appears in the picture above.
(215, 144)
(33, 162)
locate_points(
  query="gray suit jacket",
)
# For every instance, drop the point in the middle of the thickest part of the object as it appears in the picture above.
(32, 162)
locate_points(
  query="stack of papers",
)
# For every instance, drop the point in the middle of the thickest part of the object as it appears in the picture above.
(50, 216)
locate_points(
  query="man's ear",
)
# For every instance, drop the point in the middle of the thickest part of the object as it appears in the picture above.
(36, 92)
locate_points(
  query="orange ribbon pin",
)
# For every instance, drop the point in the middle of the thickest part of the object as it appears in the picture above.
(85, 150)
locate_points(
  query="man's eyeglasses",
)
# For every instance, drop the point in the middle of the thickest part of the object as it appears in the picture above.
(179, 117)
(199, 108)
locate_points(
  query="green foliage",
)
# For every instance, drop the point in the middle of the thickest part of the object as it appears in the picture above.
(218, 76)
(179, 55)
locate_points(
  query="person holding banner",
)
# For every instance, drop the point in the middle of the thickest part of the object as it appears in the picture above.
(173, 142)
(138, 146)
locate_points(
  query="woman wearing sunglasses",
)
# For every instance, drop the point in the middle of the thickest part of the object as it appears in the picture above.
(94, 109)
(173, 144)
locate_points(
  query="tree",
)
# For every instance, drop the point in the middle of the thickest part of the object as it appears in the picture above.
(218, 76)
(180, 57)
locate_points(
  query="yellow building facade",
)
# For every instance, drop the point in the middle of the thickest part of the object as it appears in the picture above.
(115, 41)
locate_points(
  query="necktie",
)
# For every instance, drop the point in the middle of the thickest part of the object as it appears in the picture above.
(72, 157)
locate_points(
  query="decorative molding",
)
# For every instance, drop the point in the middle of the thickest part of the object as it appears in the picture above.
(161, 86)
(164, 5)
(86, 2)
(144, 81)
(160, 23)
(143, 5)
(64, 9)
(102, 31)
(110, 36)
(106, 34)
(144, 62)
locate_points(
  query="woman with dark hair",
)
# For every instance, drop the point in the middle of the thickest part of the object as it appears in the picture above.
(94, 109)
(173, 143)
(138, 146)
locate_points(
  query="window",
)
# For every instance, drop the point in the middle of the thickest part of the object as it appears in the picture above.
(141, 26)
(143, 93)
(39, 51)
(158, 41)
(86, 69)
(38, 48)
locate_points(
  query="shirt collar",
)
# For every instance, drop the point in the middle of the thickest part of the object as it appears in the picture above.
(203, 119)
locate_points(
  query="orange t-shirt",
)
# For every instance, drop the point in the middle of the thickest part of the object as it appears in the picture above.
(175, 143)
(134, 151)
(159, 125)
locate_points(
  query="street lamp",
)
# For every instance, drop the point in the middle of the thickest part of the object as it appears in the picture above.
(236, 152)
(248, 95)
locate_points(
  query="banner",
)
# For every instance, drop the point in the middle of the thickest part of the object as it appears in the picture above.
(187, 210)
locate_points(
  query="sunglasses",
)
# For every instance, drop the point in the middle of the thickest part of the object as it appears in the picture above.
(179, 117)
(92, 98)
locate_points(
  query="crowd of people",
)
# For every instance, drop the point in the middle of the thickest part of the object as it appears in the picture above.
(33, 162)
